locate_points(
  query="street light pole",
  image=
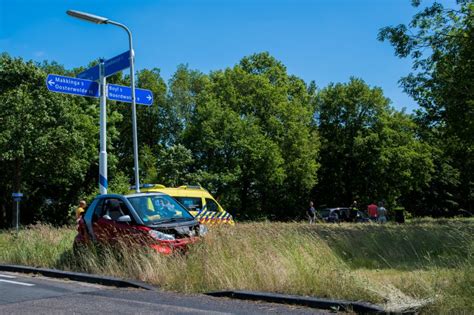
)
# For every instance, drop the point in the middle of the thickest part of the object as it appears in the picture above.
(102, 20)
(134, 104)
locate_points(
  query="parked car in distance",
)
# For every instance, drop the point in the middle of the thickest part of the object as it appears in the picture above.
(199, 202)
(341, 214)
(154, 220)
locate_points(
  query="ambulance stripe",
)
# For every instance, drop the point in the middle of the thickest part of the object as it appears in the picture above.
(212, 218)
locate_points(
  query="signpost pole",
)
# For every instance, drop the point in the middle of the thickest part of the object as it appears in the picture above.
(17, 215)
(103, 184)
(134, 118)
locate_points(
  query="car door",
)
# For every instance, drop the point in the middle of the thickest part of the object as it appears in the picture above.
(107, 227)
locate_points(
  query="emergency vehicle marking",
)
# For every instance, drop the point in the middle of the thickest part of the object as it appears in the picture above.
(213, 217)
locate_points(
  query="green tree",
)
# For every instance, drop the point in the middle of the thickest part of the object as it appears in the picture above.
(369, 151)
(252, 137)
(184, 88)
(441, 43)
(404, 164)
(47, 143)
(173, 164)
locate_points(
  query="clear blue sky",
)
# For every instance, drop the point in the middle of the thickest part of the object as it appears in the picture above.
(321, 40)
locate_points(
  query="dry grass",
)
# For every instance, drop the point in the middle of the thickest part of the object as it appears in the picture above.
(420, 265)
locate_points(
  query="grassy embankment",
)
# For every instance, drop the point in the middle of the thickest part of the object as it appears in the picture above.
(426, 264)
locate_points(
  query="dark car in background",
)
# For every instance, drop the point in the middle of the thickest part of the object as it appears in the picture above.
(154, 220)
(341, 214)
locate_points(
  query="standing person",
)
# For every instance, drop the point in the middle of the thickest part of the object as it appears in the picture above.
(81, 209)
(311, 213)
(372, 211)
(354, 211)
(381, 213)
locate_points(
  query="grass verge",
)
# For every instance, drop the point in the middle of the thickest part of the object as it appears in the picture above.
(424, 265)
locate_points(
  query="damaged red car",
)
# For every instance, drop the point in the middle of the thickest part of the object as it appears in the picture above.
(155, 220)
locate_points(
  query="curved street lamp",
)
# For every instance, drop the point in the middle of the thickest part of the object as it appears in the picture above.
(103, 20)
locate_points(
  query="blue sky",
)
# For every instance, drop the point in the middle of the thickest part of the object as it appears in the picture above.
(321, 40)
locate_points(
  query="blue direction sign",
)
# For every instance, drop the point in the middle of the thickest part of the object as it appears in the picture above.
(117, 63)
(90, 74)
(124, 94)
(111, 66)
(68, 85)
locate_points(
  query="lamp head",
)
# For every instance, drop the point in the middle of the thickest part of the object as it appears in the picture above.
(87, 17)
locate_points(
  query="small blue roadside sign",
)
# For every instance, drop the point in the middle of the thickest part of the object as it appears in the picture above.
(68, 85)
(124, 94)
(111, 66)
(17, 196)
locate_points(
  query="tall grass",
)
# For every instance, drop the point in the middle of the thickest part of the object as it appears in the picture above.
(419, 265)
(37, 245)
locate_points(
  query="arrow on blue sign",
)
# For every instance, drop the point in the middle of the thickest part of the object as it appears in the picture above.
(124, 94)
(68, 85)
(111, 66)
(75, 86)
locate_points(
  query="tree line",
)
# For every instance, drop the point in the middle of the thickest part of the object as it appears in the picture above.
(263, 141)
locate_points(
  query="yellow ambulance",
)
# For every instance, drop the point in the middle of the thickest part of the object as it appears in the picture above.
(197, 200)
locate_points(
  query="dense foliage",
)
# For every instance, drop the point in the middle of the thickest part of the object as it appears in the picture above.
(369, 151)
(47, 141)
(441, 43)
(263, 141)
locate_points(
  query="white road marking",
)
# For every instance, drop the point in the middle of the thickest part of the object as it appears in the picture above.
(16, 282)
(167, 307)
(6, 276)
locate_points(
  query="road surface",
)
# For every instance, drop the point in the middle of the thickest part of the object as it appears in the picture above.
(28, 294)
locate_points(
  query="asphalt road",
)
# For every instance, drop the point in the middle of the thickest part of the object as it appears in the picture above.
(28, 294)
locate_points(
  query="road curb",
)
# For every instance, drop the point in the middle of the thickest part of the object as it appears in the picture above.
(337, 305)
(78, 276)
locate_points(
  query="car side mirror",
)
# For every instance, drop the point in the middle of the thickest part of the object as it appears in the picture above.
(124, 219)
(107, 217)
